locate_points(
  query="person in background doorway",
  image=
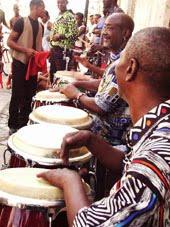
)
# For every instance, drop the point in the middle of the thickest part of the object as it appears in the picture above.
(16, 17)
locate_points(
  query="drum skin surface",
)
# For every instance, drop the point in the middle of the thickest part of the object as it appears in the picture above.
(41, 144)
(64, 115)
(29, 216)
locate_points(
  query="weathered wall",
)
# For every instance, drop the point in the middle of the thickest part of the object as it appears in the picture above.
(147, 13)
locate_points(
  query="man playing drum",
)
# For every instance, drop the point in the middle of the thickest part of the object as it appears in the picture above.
(111, 120)
(142, 195)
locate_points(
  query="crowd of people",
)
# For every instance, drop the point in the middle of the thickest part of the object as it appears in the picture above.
(127, 91)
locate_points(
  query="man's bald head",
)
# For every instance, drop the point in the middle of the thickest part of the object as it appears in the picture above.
(124, 21)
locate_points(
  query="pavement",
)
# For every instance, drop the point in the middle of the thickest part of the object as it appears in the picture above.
(4, 107)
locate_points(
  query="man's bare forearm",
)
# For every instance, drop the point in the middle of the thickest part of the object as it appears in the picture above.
(96, 69)
(89, 103)
(110, 157)
(75, 198)
(91, 85)
(14, 46)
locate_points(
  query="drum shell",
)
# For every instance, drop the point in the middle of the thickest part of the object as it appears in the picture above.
(11, 216)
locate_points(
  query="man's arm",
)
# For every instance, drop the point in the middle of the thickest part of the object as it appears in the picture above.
(87, 102)
(110, 157)
(87, 64)
(91, 85)
(12, 43)
(74, 196)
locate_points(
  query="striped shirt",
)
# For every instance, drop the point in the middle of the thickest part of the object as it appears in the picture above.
(142, 196)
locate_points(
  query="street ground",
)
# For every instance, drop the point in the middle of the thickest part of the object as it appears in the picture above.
(4, 106)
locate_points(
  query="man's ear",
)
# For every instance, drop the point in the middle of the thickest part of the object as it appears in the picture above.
(132, 70)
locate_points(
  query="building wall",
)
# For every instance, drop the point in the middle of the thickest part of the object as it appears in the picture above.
(147, 13)
(95, 6)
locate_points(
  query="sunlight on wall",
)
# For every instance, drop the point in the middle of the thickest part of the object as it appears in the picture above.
(51, 6)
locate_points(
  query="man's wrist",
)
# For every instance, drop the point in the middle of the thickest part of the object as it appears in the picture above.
(79, 95)
(72, 177)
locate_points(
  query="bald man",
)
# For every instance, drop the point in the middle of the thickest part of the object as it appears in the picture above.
(142, 195)
(111, 118)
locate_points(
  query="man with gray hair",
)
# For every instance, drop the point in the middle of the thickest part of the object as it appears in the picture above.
(141, 197)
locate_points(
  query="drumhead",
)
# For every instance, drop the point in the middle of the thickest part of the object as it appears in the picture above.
(42, 142)
(49, 96)
(71, 76)
(55, 114)
(20, 186)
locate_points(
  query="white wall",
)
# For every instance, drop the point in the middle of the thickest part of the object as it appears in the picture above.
(147, 13)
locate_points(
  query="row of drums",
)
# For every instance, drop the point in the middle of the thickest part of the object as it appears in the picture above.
(28, 201)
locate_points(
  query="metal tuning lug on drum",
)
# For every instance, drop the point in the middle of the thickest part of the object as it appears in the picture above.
(5, 165)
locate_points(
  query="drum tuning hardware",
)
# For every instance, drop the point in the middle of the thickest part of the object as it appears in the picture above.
(5, 165)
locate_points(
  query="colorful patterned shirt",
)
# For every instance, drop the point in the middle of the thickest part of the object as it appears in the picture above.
(142, 196)
(113, 124)
(66, 25)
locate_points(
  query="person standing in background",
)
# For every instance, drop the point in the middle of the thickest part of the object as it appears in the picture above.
(47, 28)
(12, 22)
(2, 18)
(16, 17)
(63, 36)
(25, 39)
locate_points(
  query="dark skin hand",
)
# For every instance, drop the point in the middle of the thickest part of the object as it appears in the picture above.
(69, 180)
(110, 157)
(75, 197)
(84, 61)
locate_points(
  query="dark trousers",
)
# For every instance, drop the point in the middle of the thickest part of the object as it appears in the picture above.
(22, 93)
(57, 63)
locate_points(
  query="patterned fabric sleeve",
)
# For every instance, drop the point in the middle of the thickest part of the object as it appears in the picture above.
(152, 164)
(131, 205)
(143, 189)
(107, 97)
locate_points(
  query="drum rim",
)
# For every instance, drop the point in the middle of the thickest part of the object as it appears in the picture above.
(35, 98)
(85, 125)
(25, 202)
(42, 160)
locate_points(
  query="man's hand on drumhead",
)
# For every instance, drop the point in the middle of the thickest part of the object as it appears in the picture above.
(70, 91)
(73, 140)
(59, 177)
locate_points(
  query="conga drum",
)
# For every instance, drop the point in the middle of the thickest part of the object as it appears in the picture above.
(28, 201)
(65, 115)
(38, 145)
(44, 98)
